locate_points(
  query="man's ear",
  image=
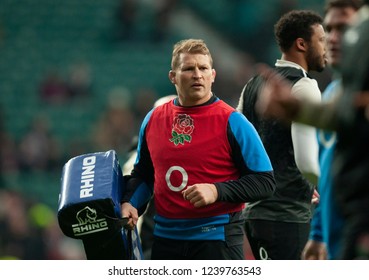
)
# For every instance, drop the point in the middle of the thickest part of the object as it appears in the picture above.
(301, 44)
(172, 76)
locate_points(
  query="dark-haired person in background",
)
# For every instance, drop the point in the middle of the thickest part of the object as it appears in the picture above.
(349, 117)
(278, 227)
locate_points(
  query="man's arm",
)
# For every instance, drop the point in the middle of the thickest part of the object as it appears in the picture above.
(276, 100)
(257, 178)
(139, 185)
(315, 248)
(305, 144)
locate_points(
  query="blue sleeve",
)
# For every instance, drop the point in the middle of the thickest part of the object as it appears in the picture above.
(252, 149)
(140, 183)
(316, 225)
(316, 230)
(141, 196)
(256, 173)
(141, 136)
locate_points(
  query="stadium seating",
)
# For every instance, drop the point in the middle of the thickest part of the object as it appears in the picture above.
(38, 36)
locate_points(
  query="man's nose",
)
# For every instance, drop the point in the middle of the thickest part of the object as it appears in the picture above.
(197, 73)
(334, 36)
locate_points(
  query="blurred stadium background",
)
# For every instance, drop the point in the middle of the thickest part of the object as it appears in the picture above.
(77, 76)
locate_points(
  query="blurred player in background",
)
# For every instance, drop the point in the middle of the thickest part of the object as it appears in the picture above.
(327, 224)
(278, 227)
(348, 116)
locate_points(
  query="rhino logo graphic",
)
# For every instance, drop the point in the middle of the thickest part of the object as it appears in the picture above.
(86, 215)
(88, 223)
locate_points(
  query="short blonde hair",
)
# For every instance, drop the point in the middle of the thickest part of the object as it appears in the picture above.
(193, 46)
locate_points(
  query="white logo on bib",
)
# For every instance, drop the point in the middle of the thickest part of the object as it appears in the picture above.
(184, 178)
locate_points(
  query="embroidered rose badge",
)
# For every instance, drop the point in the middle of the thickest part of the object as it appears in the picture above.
(182, 129)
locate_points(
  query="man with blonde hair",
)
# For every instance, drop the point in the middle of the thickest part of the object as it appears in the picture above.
(203, 160)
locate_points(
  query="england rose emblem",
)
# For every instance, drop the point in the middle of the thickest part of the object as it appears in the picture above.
(182, 129)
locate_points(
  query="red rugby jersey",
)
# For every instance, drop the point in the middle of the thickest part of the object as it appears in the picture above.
(189, 146)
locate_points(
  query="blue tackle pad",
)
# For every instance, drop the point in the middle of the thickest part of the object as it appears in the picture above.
(89, 207)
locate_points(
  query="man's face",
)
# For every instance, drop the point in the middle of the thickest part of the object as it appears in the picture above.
(193, 79)
(336, 21)
(316, 54)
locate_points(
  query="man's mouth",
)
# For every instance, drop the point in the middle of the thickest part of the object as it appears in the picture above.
(197, 85)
